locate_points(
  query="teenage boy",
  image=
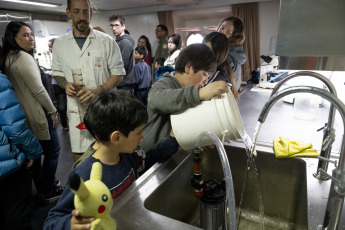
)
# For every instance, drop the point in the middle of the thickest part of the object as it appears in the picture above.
(127, 45)
(142, 72)
(116, 120)
(184, 90)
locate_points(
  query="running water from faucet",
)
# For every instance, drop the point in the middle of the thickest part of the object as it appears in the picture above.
(254, 174)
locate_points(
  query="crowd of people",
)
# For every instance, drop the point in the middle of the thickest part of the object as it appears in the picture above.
(125, 99)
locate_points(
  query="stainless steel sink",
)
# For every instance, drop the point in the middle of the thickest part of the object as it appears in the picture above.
(284, 190)
(163, 198)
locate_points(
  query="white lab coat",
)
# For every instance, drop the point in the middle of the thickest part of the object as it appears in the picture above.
(99, 59)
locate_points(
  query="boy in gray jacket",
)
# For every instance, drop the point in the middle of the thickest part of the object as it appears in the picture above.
(178, 92)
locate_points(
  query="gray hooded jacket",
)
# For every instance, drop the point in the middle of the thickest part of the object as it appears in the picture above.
(236, 58)
(127, 45)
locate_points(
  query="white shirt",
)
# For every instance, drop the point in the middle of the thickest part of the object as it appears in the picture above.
(171, 60)
(99, 59)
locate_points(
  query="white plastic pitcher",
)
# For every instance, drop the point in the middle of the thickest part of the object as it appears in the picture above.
(219, 116)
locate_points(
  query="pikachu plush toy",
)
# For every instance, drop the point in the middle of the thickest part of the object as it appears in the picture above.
(92, 198)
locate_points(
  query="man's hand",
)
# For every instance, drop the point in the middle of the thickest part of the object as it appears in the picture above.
(80, 223)
(70, 90)
(214, 89)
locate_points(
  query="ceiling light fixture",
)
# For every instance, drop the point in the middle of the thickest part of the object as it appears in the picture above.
(47, 4)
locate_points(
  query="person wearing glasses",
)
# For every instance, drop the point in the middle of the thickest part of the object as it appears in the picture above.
(98, 57)
(126, 45)
(162, 49)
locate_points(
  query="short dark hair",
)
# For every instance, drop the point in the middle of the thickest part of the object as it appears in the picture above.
(69, 4)
(115, 17)
(114, 110)
(176, 38)
(200, 56)
(141, 50)
(52, 41)
(163, 27)
(160, 61)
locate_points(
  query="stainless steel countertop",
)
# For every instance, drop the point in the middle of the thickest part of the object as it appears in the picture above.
(129, 210)
(281, 121)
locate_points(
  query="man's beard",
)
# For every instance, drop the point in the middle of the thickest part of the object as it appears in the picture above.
(82, 28)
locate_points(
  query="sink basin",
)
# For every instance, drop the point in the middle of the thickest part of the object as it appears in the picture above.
(162, 198)
(284, 190)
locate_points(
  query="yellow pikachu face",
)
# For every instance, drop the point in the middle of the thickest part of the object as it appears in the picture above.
(92, 198)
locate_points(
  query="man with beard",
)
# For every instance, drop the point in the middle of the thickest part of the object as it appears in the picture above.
(96, 56)
(127, 45)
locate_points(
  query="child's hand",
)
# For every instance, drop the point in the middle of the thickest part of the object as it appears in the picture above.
(172, 133)
(78, 222)
(212, 90)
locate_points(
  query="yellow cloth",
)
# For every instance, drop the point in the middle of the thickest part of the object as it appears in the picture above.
(284, 148)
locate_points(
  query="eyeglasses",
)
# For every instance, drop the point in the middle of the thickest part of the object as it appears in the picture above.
(158, 31)
(114, 25)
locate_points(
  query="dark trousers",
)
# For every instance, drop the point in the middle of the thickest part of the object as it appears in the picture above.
(61, 104)
(142, 94)
(44, 173)
(15, 200)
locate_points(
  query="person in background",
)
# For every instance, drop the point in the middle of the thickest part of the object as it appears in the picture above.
(144, 41)
(233, 28)
(162, 49)
(42, 119)
(19, 148)
(98, 57)
(127, 32)
(218, 43)
(159, 62)
(179, 91)
(142, 73)
(161, 69)
(126, 45)
(60, 95)
(116, 119)
(174, 47)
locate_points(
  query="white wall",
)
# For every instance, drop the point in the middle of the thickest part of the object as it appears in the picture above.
(137, 25)
(268, 26)
(145, 24)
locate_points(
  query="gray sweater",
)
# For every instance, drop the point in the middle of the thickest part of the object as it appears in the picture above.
(236, 58)
(127, 46)
(167, 96)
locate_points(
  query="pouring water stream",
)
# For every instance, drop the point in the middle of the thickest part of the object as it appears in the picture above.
(253, 171)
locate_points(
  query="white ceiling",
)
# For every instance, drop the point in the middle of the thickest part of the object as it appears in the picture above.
(126, 7)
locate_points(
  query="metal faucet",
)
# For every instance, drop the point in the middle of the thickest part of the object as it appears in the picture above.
(227, 175)
(328, 131)
(337, 189)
